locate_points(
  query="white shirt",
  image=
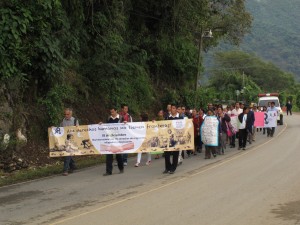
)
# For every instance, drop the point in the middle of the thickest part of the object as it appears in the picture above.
(235, 112)
(243, 124)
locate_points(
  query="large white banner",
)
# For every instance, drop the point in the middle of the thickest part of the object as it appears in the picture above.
(114, 138)
(210, 131)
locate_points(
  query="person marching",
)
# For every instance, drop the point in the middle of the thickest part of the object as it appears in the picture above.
(69, 120)
(114, 118)
(171, 167)
(271, 130)
(124, 118)
(245, 126)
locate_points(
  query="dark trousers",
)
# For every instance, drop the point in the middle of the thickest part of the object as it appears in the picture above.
(69, 163)
(125, 156)
(210, 150)
(270, 131)
(287, 112)
(171, 166)
(232, 139)
(109, 162)
(243, 134)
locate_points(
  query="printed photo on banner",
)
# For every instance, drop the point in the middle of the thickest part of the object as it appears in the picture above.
(270, 119)
(209, 131)
(121, 138)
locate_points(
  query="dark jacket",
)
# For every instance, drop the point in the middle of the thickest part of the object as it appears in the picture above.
(177, 117)
(251, 117)
(248, 121)
(113, 120)
(223, 121)
(289, 106)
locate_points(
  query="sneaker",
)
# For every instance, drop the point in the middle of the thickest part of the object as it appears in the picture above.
(125, 163)
(65, 174)
(148, 163)
(166, 171)
(136, 165)
(107, 174)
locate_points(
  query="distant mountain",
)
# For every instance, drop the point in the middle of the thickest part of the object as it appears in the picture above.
(275, 34)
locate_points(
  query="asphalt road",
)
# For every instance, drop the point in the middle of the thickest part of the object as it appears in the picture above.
(258, 186)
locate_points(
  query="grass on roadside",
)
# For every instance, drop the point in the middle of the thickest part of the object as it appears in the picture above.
(49, 170)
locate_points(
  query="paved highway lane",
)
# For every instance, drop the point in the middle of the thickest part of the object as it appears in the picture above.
(258, 186)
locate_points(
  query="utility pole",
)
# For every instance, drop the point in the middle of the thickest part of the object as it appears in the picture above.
(243, 80)
(199, 59)
(203, 35)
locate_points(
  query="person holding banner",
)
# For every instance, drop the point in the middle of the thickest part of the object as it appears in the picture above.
(125, 117)
(171, 167)
(273, 109)
(114, 118)
(159, 117)
(69, 120)
(144, 118)
(210, 134)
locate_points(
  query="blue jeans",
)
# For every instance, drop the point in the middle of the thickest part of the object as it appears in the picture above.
(69, 163)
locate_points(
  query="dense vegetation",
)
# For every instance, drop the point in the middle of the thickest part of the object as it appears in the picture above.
(241, 71)
(57, 53)
(93, 54)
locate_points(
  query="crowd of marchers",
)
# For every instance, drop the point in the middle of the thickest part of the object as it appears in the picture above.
(228, 135)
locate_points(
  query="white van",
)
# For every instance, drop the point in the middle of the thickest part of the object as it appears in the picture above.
(265, 99)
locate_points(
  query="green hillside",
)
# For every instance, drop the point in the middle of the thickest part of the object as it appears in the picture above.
(275, 34)
(274, 37)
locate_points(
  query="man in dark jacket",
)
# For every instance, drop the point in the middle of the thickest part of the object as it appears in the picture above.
(114, 118)
(289, 108)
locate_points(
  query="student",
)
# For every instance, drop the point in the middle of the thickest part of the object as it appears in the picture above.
(210, 150)
(114, 118)
(170, 167)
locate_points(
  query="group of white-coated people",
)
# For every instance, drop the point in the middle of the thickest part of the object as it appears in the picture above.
(245, 133)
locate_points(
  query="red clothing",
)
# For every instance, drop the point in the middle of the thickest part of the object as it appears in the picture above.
(197, 121)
